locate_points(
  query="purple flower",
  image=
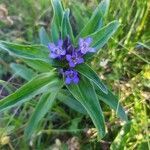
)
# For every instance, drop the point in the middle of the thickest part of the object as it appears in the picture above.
(71, 77)
(74, 59)
(65, 51)
(67, 45)
(56, 50)
(84, 45)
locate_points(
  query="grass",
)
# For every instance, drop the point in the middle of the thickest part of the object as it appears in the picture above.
(123, 64)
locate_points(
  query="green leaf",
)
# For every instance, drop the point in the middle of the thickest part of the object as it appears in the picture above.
(96, 17)
(55, 33)
(57, 19)
(101, 37)
(44, 105)
(23, 71)
(113, 103)
(66, 29)
(44, 39)
(65, 97)
(34, 52)
(58, 11)
(104, 9)
(37, 85)
(86, 71)
(85, 94)
(38, 65)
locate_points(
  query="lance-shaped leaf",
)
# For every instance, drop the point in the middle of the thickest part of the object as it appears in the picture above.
(65, 97)
(44, 39)
(85, 94)
(86, 71)
(55, 33)
(95, 20)
(44, 105)
(23, 71)
(101, 37)
(113, 103)
(39, 84)
(57, 19)
(38, 65)
(34, 52)
(104, 9)
(66, 29)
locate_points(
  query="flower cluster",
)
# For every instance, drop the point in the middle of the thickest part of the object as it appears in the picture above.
(65, 51)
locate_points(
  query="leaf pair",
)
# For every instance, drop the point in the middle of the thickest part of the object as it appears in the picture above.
(46, 83)
(60, 25)
(95, 20)
(84, 92)
(88, 91)
(38, 85)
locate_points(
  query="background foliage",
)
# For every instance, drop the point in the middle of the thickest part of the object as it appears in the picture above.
(123, 64)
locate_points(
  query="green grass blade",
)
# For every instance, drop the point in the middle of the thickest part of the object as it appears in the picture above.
(122, 137)
(76, 9)
(7, 86)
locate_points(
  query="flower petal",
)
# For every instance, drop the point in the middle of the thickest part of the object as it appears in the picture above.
(68, 80)
(92, 49)
(83, 51)
(67, 73)
(88, 41)
(71, 64)
(68, 57)
(51, 46)
(81, 60)
(76, 80)
(52, 55)
(81, 41)
(60, 43)
(63, 52)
